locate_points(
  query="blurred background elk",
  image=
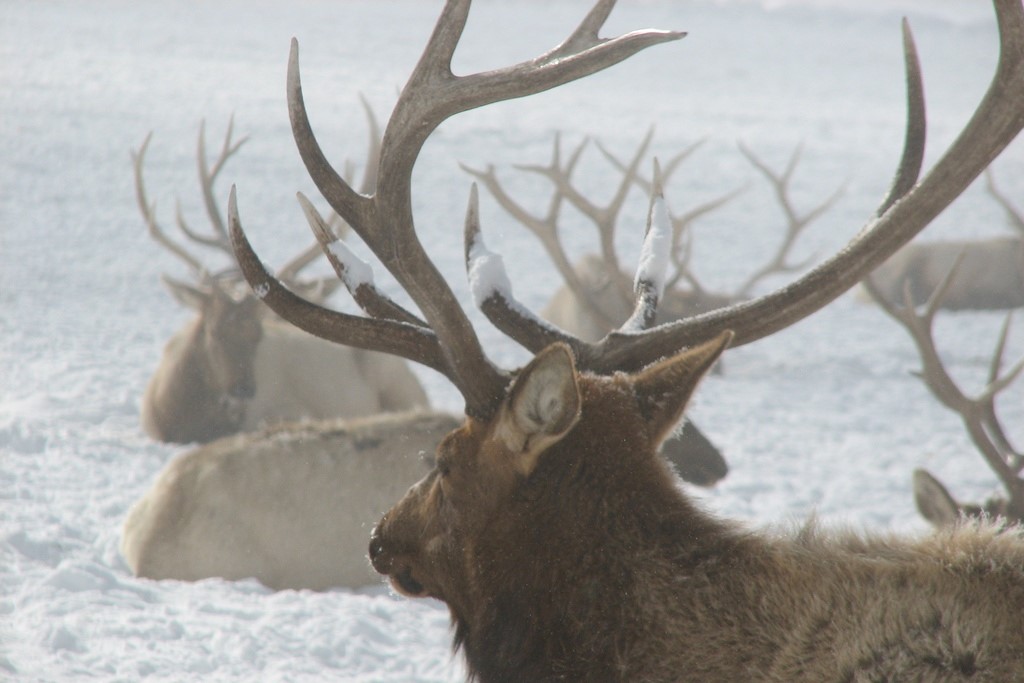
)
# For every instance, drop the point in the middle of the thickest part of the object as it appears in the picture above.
(561, 543)
(291, 506)
(596, 296)
(235, 367)
(990, 272)
(978, 413)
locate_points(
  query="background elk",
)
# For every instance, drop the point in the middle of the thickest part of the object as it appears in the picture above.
(235, 367)
(597, 295)
(560, 542)
(978, 413)
(290, 506)
(990, 272)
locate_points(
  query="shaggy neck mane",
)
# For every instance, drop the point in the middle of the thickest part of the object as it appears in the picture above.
(566, 564)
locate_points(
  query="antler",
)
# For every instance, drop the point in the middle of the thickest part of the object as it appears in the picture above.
(796, 222)
(605, 219)
(909, 207)
(447, 341)
(1014, 216)
(546, 228)
(384, 218)
(977, 412)
(217, 239)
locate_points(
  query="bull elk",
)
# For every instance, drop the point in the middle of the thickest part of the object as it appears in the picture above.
(990, 271)
(234, 368)
(560, 542)
(290, 506)
(978, 413)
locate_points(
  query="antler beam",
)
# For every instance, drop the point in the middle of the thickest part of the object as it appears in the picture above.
(384, 219)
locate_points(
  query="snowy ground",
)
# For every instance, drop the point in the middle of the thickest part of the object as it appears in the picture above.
(821, 418)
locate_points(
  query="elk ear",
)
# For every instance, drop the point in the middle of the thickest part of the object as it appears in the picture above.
(933, 500)
(543, 405)
(664, 388)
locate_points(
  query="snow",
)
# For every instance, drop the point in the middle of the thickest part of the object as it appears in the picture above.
(357, 271)
(486, 273)
(822, 418)
(649, 281)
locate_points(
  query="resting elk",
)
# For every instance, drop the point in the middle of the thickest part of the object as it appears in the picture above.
(978, 413)
(559, 540)
(290, 507)
(236, 368)
(597, 294)
(991, 271)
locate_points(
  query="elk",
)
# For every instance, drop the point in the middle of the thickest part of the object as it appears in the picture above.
(234, 367)
(978, 413)
(557, 537)
(991, 271)
(597, 294)
(290, 506)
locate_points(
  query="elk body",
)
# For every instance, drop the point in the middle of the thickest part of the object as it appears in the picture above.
(560, 542)
(291, 506)
(991, 275)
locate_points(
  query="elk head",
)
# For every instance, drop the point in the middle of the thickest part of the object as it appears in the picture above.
(501, 496)
(555, 424)
(228, 331)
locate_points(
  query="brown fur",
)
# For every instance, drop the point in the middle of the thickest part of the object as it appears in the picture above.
(566, 551)
(694, 456)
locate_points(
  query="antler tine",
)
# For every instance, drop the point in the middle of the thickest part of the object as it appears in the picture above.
(356, 274)
(912, 158)
(649, 283)
(1013, 215)
(995, 377)
(492, 291)
(604, 218)
(795, 222)
(667, 169)
(148, 210)
(384, 219)
(546, 229)
(324, 287)
(372, 151)
(207, 177)
(413, 342)
(681, 250)
(997, 120)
